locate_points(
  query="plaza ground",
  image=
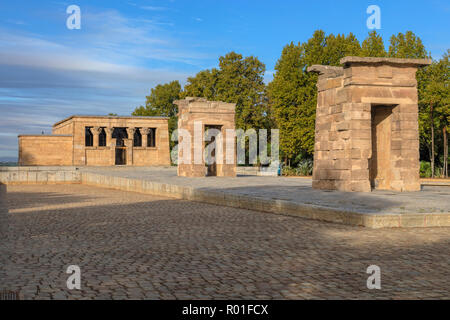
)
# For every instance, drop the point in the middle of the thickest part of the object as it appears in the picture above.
(132, 245)
(280, 195)
(296, 190)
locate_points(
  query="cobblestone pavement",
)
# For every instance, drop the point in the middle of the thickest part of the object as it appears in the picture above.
(130, 245)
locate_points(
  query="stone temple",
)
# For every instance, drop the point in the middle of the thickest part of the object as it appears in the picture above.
(99, 141)
(206, 115)
(366, 134)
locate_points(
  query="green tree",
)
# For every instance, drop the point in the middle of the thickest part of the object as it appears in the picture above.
(237, 80)
(160, 103)
(409, 45)
(373, 46)
(434, 110)
(293, 93)
(204, 85)
(337, 47)
(241, 81)
(284, 100)
(406, 45)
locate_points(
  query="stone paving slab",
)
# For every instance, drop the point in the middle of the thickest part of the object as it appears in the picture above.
(429, 207)
(435, 182)
(138, 246)
(282, 195)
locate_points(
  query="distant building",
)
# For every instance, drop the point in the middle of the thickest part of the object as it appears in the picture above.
(99, 141)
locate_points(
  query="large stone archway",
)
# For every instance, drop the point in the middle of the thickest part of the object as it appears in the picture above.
(200, 118)
(366, 133)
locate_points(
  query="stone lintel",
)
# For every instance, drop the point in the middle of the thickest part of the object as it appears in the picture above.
(328, 71)
(348, 61)
(80, 117)
(202, 105)
(45, 135)
(207, 103)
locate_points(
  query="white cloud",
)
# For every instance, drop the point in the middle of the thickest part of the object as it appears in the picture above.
(17, 22)
(110, 68)
(152, 8)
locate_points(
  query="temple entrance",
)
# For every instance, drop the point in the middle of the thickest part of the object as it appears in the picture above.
(121, 156)
(121, 151)
(210, 149)
(380, 171)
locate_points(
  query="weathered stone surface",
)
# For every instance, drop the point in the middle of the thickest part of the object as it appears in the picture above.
(208, 114)
(45, 150)
(138, 246)
(257, 192)
(367, 112)
(328, 71)
(66, 146)
(390, 61)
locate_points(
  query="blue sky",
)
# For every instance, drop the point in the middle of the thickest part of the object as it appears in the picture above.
(124, 48)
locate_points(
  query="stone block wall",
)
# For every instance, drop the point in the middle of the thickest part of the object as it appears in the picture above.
(208, 113)
(39, 175)
(66, 146)
(43, 150)
(366, 133)
(148, 157)
(136, 156)
(64, 128)
(100, 156)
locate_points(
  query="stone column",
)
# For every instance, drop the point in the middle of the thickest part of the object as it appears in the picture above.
(144, 133)
(129, 148)
(96, 131)
(130, 132)
(109, 132)
(367, 125)
(113, 151)
(129, 145)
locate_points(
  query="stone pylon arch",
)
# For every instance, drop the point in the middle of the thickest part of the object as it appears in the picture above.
(366, 133)
(197, 117)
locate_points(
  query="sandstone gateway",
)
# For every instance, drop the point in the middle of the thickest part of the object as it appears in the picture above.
(99, 141)
(366, 132)
(206, 115)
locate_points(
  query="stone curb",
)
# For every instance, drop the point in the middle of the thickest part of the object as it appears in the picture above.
(221, 198)
(3, 204)
(283, 207)
(40, 176)
(435, 182)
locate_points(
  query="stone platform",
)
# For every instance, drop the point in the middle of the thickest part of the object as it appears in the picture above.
(282, 195)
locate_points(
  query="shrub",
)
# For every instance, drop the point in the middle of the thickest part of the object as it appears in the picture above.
(425, 169)
(305, 167)
(288, 171)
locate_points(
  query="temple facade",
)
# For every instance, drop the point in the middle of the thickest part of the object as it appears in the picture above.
(99, 141)
(367, 134)
(215, 122)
